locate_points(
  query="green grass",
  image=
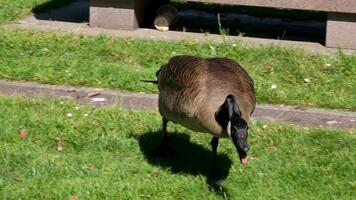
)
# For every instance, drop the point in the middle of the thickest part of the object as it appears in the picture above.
(106, 151)
(15, 9)
(106, 154)
(108, 62)
(11, 10)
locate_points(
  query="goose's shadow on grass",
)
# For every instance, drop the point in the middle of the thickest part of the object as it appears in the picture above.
(188, 158)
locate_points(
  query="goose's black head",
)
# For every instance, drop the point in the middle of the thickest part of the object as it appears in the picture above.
(238, 129)
(229, 116)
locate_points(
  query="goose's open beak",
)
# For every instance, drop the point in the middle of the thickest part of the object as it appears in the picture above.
(241, 146)
(243, 158)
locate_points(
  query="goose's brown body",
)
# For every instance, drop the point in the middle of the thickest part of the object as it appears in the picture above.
(191, 90)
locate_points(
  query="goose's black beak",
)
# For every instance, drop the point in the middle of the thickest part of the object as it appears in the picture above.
(239, 138)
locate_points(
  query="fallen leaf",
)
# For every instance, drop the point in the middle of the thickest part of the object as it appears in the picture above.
(155, 174)
(23, 133)
(93, 94)
(307, 80)
(88, 167)
(98, 99)
(332, 122)
(21, 21)
(212, 50)
(73, 198)
(255, 139)
(270, 148)
(8, 169)
(299, 108)
(60, 145)
(145, 195)
(113, 40)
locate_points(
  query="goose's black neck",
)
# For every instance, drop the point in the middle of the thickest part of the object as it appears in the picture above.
(228, 111)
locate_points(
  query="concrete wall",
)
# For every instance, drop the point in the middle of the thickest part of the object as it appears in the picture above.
(341, 30)
(128, 14)
(342, 6)
(117, 14)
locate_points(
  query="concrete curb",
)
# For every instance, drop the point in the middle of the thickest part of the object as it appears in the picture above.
(104, 97)
(31, 23)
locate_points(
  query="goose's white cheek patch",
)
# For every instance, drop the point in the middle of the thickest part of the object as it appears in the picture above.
(228, 128)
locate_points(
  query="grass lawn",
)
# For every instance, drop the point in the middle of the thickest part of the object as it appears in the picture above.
(118, 63)
(108, 62)
(105, 153)
(16, 9)
(58, 150)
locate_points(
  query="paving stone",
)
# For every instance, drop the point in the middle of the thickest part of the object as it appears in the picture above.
(103, 97)
(137, 101)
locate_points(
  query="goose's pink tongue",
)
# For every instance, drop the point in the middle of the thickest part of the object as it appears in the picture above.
(244, 160)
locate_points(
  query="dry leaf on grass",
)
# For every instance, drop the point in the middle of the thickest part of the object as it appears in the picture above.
(23, 133)
(88, 167)
(18, 178)
(93, 94)
(155, 174)
(300, 108)
(307, 80)
(73, 198)
(60, 145)
(97, 99)
(270, 148)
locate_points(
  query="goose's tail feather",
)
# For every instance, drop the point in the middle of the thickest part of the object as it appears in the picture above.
(150, 81)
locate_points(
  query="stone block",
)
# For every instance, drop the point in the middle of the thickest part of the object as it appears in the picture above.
(140, 102)
(341, 30)
(117, 14)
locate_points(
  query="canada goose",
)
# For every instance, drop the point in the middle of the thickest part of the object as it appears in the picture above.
(214, 96)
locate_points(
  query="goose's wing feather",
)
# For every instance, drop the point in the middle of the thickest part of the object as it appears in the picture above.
(182, 72)
(181, 84)
(228, 77)
(229, 73)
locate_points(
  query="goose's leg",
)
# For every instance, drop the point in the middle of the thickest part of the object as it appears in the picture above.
(164, 127)
(164, 148)
(164, 138)
(214, 145)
